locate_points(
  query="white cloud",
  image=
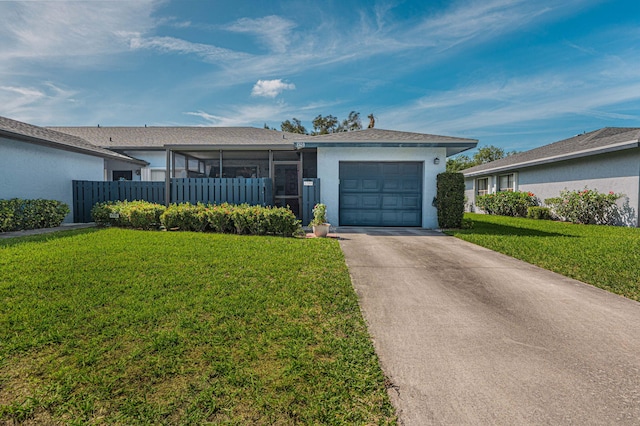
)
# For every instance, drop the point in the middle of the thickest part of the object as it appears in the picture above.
(245, 115)
(271, 88)
(274, 31)
(207, 52)
(63, 32)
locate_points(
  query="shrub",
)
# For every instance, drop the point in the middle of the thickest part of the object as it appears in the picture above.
(128, 214)
(507, 203)
(185, 217)
(587, 206)
(219, 218)
(282, 221)
(18, 214)
(450, 199)
(536, 212)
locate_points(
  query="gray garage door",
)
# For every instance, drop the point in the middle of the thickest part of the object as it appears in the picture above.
(380, 194)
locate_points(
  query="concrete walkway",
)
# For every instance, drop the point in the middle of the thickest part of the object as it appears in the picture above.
(469, 336)
(63, 227)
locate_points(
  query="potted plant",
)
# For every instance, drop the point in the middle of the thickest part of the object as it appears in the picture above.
(319, 222)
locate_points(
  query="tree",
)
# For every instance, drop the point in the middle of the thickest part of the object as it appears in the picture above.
(484, 155)
(459, 163)
(324, 125)
(372, 121)
(294, 126)
(350, 123)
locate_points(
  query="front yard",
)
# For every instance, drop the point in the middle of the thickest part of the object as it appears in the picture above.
(604, 256)
(131, 327)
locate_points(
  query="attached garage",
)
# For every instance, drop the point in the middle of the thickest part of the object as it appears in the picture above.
(380, 193)
(377, 177)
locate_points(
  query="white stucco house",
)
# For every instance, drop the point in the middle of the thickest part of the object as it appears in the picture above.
(607, 159)
(370, 177)
(41, 163)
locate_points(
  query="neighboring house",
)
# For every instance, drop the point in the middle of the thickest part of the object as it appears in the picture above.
(41, 163)
(369, 177)
(606, 160)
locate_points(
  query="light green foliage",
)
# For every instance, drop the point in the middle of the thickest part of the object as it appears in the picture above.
(319, 214)
(18, 214)
(128, 214)
(507, 203)
(587, 207)
(120, 326)
(604, 256)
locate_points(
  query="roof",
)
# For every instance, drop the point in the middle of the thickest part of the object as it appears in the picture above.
(388, 138)
(43, 136)
(608, 139)
(159, 137)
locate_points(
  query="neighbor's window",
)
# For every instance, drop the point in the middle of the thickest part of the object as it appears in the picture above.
(506, 183)
(482, 186)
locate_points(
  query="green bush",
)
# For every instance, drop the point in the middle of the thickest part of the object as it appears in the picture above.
(185, 217)
(537, 212)
(128, 214)
(450, 199)
(223, 218)
(507, 203)
(18, 214)
(587, 207)
(219, 218)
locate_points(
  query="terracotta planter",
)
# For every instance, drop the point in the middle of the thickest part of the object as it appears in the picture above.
(321, 230)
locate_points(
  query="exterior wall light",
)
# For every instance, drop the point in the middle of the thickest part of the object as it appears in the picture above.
(436, 160)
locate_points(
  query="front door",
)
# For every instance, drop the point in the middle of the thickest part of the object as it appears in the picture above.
(286, 182)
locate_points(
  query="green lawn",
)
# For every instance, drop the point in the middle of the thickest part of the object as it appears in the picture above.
(604, 256)
(132, 327)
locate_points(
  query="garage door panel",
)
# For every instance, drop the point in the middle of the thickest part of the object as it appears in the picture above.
(380, 193)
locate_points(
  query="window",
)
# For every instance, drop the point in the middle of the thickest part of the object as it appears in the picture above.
(157, 175)
(506, 183)
(122, 175)
(482, 186)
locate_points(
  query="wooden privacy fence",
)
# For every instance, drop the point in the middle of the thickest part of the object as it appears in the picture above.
(86, 194)
(310, 197)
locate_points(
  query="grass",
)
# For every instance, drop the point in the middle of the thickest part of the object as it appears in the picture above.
(604, 256)
(119, 326)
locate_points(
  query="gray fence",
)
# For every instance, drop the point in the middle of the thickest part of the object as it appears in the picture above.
(235, 191)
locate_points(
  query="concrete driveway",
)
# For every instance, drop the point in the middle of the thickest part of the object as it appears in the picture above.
(469, 336)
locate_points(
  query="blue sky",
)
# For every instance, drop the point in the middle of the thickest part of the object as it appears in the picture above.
(512, 73)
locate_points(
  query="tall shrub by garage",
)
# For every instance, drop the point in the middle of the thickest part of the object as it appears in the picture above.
(450, 199)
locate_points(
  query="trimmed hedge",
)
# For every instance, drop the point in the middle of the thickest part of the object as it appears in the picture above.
(507, 203)
(17, 214)
(222, 218)
(450, 199)
(128, 214)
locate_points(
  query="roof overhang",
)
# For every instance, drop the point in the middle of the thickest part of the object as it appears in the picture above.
(553, 159)
(70, 148)
(452, 147)
(240, 147)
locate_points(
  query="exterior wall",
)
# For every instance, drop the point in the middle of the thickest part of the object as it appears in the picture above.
(618, 172)
(32, 171)
(328, 170)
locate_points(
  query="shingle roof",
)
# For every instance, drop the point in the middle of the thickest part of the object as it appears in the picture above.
(158, 137)
(598, 141)
(40, 135)
(390, 138)
(382, 135)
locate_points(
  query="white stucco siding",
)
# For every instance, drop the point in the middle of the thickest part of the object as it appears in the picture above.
(328, 171)
(32, 171)
(618, 172)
